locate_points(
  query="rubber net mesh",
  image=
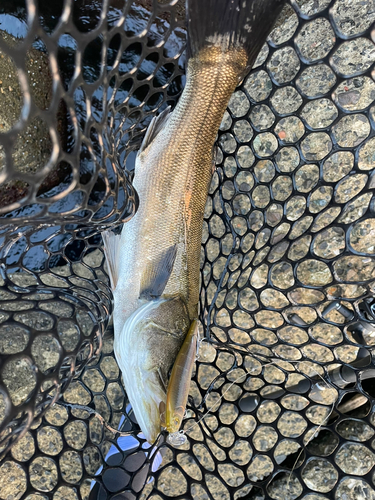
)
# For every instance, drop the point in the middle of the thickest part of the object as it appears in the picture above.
(285, 376)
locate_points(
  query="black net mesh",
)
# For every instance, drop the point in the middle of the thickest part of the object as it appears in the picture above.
(287, 307)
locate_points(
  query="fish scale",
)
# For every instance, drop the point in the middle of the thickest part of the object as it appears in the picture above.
(172, 179)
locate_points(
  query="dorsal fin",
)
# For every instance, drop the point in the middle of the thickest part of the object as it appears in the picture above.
(157, 273)
(156, 124)
(111, 251)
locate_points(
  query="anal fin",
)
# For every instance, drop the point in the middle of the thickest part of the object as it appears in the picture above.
(157, 273)
(111, 250)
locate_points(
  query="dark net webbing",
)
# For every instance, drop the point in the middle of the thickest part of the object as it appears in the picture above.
(288, 274)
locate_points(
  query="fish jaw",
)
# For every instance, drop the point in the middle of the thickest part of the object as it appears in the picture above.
(145, 392)
(146, 347)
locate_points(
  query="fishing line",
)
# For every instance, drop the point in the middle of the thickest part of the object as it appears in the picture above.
(213, 302)
(229, 258)
(314, 434)
(91, 411)
(179, 438)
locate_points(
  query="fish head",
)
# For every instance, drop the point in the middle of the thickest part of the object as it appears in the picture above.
(146, 349)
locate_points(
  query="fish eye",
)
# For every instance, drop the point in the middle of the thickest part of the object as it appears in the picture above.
(176, 420)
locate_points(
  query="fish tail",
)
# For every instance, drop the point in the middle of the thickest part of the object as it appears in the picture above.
(230, 25)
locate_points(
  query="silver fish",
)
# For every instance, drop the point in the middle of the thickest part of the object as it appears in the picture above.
(155, 262)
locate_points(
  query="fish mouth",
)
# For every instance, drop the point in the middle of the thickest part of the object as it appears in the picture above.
(145, 395)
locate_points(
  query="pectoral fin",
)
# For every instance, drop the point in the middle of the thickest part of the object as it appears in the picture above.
(157, 274)
(111, 250)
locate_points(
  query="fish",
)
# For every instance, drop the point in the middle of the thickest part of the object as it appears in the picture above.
(154, 264)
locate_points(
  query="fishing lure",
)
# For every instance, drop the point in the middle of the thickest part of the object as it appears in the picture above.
(179, 382)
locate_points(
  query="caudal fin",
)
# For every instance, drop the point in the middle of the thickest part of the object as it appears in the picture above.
(231, 24)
